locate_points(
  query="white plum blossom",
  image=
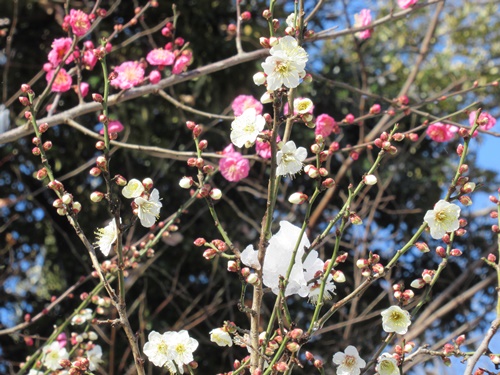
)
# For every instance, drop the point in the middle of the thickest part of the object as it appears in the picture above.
(395, 319)
(286, 64)
(133, 189)
(221, 337)
(157, 349)
(148, 209)
(278, 258)
(53, 354)
(94, 356)
(170, 349)
(291, 20)
(106, 237)
(442, 219)
(349, 362)
(303, 105)
(387, 365)
(246, 128)
(83, 316)
(290, 159)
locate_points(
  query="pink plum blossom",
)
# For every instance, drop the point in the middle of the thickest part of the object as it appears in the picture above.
(233, 166)
(485, 120)
(361, 19)
(63, 80)
(325, 125)
(404, 4)
(263, 148)
(154, 76)
(114, 126)
(295, 110)
(244, 102)
(130, 74)
(182, 62)
(440, 132)
(89, 59)
(79, 22)
(161, 57)
(60, 47)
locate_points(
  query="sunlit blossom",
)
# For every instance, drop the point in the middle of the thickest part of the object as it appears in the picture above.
(221, 337)
(106, 237)
(442, 219)
(53, 354)
(79, 22)
(233, 166)
(182, 62)
(60, 47)
(157, 348)
(300, 106)
(160, 57)
(130, 74)
(349, 362)
(325, 125)
(63, 80)
(133, 189)
(395, 319)
(404, 4)
(485, 120)
(440, 132)
(290, 159)
(148, 210)
(246, 128)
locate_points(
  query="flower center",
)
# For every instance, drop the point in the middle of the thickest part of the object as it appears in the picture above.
(288, 157)
(396, 316)
(350, 361)
(387, 365)
(282, 67)
(440, 216)
(162, 348)
(180, 349)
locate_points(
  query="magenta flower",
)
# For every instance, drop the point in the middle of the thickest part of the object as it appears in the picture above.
(361, 19)
(114, 126)
(485, 120)
(62, 83)
(84, 89)
(233, 166)
(89, 59)
(130, 74)
(154, 76)
(440, 132)
(62, 340)
(404, 4)
(161, 57)
(79, 22)
(182, 62)
(325, 125)
(244, 102)
(60, 47)
(263, 148)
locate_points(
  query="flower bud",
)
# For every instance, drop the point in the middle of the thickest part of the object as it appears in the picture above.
(378, 268)
(492, 257)
(76, 207)
(375, 109)
(67, 198)
(465, 200)
(318, 363)
(120, 180)
(252, 279)
(55, 185)
(24, 101)
(200, 242)
(370, 179)
(417, 283)
(460, 149)
(95, 171)
(232, 266)
(460, 340)
(101, 162)
(147, 183)
(209, 253)
(441, 251)
(355, 219)
(328, 183)
(362, 263)
(36, 151)
(216, 194)
(468, 188)
(61, 211)
(266, 98)
(455, 252)
(297, 198)
(259, 78)
(186, 182)
(338, 276)
(96, 196)
(422, 246)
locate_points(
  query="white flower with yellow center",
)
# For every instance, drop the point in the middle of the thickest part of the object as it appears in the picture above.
(106, 237)
(221, 337)
(442, 219)
(133, 189)
(157, 349)
(303, 105)
(290, 159)
(183, 347)
(387, 365)
(94, 356)
(148, 210)
(349, 362)
(53, 354)
(246, 128)
(286, 64)
(395, 319)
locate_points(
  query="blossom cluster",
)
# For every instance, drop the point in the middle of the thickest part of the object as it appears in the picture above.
(171, 349)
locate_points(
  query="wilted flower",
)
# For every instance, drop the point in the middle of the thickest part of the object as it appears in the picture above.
(395, 319)
(442, 219)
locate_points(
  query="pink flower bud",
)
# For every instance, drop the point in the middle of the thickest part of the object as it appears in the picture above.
(339, 277)
(362, 263)
(455, 252)
(422, 247)
(492, 257)
(36, 151)
(460, 149)
(101, 162)
(418, 283)
(378, 268)
(341, 258)
(370, 179)
(349, 118)
(460, 340)
(408, 294)
(232, 266)
(246, 16)
(266, 13)
(355, 219)
(328, 183)
(200, 242)
(465, 200)
(24, 101)
(441, 251)
(375, 109)
(209, 253)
